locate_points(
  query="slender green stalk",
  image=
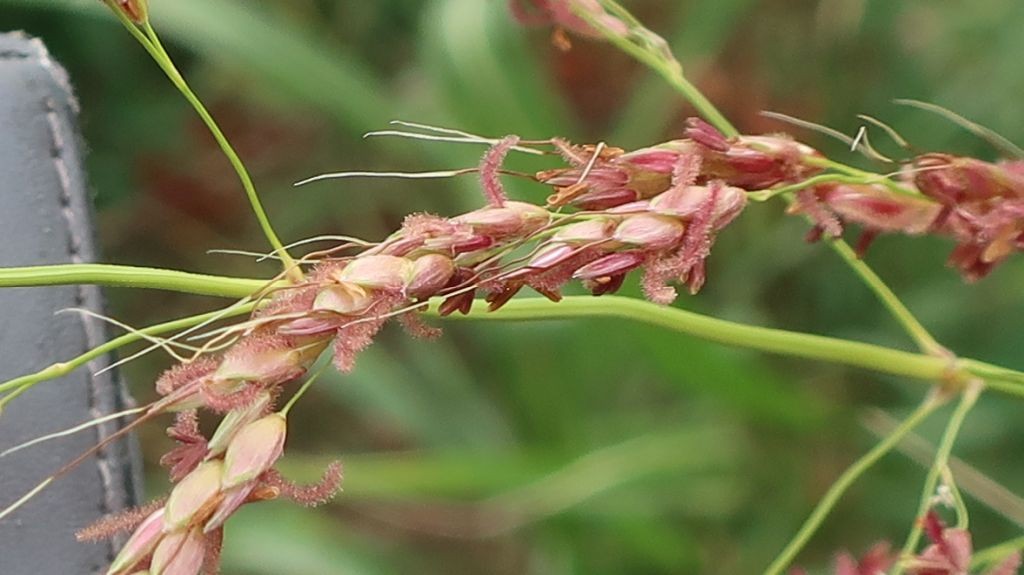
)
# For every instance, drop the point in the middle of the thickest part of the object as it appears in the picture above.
(149, 40)
(65, 367)
(963, 517)
(962, 477)
(130, 276)
(932, 402)
(917, 332)
(899, 311)
(877, 358)
(660, 61)
(808, 346)
(302, 390)
(991, 373)
(967, 400)
(866, 177)
(765, 195)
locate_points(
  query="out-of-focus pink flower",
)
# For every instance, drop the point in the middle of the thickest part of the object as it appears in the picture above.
(950, 552)
(136, 10)
(566, 14)
(876, 561)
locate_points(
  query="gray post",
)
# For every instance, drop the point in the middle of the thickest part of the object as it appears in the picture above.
(45, 219)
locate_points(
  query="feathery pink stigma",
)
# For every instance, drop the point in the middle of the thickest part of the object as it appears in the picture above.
(110, 525)
(424, 224)
(185, 373)
(356, 336)
(293, 299)
(657, 274)
(245, 396)
(489, 167)
(697, 243)
(309, 495)
(686, 170)
(413, 324)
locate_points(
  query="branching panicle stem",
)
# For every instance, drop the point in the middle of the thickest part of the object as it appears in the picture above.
(968, 399)
(346, 307)
(932, 402)
(146, 36)
(130, 276)
(925, 367)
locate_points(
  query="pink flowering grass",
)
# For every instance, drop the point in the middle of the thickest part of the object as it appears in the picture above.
(653, 213)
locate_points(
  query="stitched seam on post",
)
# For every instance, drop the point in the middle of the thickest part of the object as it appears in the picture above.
(92, 335)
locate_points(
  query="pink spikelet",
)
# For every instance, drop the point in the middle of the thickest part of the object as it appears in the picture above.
(309, 495)
(185, 373)
(696, 241)
(489, 167)
(262, 357)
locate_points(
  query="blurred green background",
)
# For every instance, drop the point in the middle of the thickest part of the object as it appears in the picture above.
(563, 447)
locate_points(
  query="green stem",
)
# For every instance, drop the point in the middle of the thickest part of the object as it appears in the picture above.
(852, 473)
(130, 276)
(899, 311)
(924, 340)
(808, 346)
(661, 61)
(302, 390)
(765, 195)
(19, 384)
(967, 401)
(151, 42)
(868, 177)
(864, 355)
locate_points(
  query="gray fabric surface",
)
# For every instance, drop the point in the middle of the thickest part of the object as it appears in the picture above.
(44, 218)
